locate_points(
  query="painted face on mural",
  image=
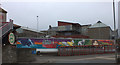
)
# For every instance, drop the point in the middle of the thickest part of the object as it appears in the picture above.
(95, 42)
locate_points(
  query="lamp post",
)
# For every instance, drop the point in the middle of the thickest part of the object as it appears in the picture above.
(115, 30)
(114, 15)
(37, 26)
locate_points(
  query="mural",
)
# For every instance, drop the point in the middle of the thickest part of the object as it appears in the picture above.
(55, 43)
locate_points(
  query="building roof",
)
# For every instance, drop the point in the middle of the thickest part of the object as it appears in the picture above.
(2, 10)
(16, 26)
(30, 29)
(85, 25)
(98, 25)
(62, 23)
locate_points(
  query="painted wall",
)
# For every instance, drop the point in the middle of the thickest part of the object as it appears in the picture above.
(54, 43)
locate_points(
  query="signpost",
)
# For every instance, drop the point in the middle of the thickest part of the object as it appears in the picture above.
(11, 38)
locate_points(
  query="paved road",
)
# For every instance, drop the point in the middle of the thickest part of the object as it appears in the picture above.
(86, 60)
(104, 58)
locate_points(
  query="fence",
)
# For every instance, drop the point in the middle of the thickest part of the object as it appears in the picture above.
(6, 26)
(85, 50)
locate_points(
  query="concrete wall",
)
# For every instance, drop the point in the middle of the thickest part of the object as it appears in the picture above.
(11, 54)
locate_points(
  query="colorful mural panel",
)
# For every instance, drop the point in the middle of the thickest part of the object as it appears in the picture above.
(54, 43)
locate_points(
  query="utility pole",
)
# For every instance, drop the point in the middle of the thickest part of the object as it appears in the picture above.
(114, 16)
(114, 30)
(37, 26)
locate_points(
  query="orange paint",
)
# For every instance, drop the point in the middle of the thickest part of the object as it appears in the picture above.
(56, 42)
(38, 42)
(18, 42)
(110, 44)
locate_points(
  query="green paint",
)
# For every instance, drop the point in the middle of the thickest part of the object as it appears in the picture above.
(11, 38)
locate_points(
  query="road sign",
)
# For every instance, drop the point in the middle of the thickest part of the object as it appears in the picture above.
(11, 38)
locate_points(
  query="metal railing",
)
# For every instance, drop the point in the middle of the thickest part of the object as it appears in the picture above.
(85, 50)
(5, 27)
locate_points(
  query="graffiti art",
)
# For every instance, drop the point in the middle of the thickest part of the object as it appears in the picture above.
(55, 43)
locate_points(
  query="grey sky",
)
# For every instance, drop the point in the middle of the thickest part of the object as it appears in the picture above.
(24, 13)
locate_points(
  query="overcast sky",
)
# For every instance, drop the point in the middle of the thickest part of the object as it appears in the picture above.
(24, 13)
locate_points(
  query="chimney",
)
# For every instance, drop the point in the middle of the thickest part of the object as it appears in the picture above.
(11, 20)
(99, 22)
(50, 27)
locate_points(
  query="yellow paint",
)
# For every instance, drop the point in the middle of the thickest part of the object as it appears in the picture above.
(70, 43)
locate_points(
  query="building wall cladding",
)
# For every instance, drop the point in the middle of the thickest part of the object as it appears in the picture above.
(99, 33)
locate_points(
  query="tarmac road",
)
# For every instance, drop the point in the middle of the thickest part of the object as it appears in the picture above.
(99, 58)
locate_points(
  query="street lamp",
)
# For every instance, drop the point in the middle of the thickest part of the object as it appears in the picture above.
(114, 15)
(115, 36)
(37, 26)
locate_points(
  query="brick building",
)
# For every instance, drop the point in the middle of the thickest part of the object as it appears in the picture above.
(100, 31)
(75, 30)
(65, 30)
